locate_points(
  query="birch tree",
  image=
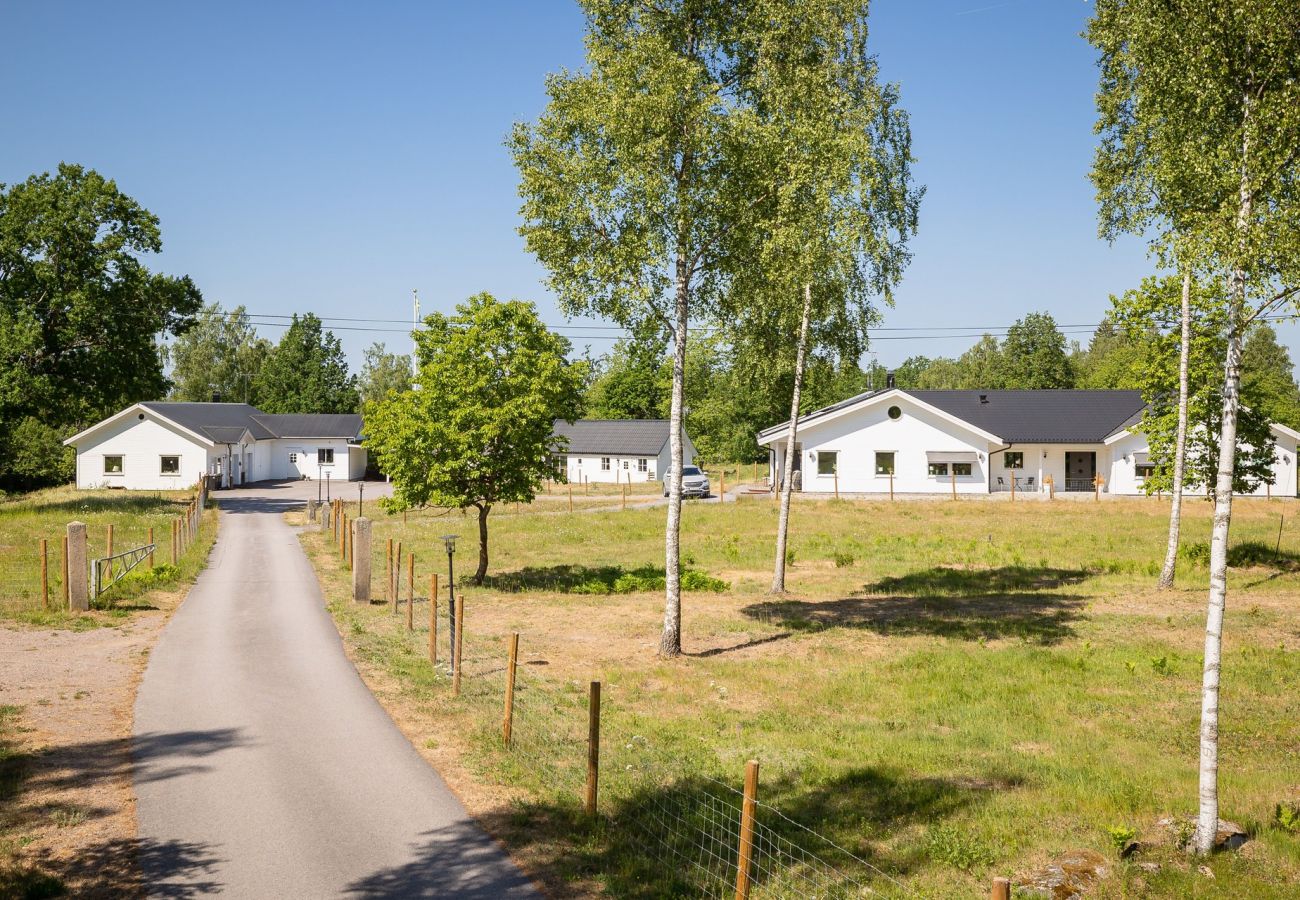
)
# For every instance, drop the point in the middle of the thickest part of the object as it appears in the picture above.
(1200, 121)
(830, 166)
(624, 181)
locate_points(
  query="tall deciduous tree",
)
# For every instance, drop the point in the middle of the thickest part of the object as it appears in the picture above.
(493, 380)
(634, 380)
(1033, 355)
(80, 314)
(219, 358)
(1200, 120)
(624, 181)
(306, 372)
(826, 192)
(383, 373)
(1268, 376)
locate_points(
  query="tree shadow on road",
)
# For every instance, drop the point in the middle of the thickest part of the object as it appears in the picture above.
(110, 870)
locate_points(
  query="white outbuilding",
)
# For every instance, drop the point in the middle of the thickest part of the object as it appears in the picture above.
(167, 446)
(617, 450)
(982, 442)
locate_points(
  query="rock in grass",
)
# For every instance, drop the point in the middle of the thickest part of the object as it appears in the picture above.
(1068, 876)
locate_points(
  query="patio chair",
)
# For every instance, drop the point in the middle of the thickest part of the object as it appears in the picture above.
(1002, 485)
(1029, 482)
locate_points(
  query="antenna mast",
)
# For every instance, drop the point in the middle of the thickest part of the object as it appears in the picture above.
(415, 323)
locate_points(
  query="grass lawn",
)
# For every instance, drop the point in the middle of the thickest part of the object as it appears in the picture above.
(950, 691)
(25, 520)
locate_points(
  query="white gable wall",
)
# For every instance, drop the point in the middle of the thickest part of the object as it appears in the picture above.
(857, 436)
(141, 443)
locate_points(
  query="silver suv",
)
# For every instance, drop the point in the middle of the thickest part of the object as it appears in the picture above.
(694, 482)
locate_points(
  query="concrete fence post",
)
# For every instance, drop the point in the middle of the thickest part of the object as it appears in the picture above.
(361, 560)
(78, 588)
(323, 518)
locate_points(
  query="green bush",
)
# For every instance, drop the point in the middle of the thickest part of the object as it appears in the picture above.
(843, 559)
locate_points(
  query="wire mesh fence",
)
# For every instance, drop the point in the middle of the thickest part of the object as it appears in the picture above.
(33, 557)
(675, 824)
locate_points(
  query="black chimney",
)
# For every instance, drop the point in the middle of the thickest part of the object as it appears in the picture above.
(889, 381)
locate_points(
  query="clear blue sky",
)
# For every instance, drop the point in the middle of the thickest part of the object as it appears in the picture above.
(330, 157)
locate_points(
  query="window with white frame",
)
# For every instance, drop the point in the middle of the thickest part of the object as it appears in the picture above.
(1013, 460)
(1144, 470)
(169, 465)
(827, 461)
(113, 465)
(293, 458)
(961, 469)
(604, 464)
(325, 456)
(885, 462)
(938, 469)
(625, 465)
(642, 464)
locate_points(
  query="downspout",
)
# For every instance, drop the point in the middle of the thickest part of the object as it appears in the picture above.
(989, 474)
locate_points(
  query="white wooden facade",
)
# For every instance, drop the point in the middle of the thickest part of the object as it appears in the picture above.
(144, 447)
(854, 448)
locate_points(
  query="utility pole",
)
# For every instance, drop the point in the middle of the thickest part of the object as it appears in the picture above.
(415, 324)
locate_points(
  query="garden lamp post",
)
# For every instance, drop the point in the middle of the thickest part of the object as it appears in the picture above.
(361, 493)
(450, 541)
(318, 481)
(327, 487)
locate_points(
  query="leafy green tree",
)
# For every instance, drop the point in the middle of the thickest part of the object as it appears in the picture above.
(306, 372)
(219, 358)
(80, 314)
(626, 192)
(1150, 317)
(1199, 109)
(383, 373)
(634, 381)
(1111, 360)
(1268, 382)
(1034, 356)
(479, 431)
(982, 366)
(827, 192)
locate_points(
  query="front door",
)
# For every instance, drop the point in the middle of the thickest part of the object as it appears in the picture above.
(1080, 470)
(299, 464)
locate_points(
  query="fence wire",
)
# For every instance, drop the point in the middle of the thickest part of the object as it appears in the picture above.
(676, 829)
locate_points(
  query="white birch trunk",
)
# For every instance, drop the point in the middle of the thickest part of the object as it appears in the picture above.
(787, 478)
(1207, 820)
(1180, 442)
(670, 643)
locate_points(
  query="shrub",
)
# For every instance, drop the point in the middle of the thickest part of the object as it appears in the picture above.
(1197, 552)
(843, 559)
(1120, 836)
(1287, 817)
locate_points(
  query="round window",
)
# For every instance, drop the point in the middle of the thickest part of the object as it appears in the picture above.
(894, 412)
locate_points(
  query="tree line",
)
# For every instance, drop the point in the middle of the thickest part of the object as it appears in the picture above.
(729, 399)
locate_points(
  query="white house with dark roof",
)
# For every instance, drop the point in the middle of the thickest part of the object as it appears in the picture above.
(166, 446)
(617, 450)
(982, 441)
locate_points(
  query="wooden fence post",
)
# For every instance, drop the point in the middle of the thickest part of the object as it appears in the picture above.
(1013, 488)
(508, 722)
(44, 572)
(891, 484)
(953, 468)
(410, 591)
(722, 487)
(1001, 889)
(173, 542)
(570, 496)
(835, 473)
(459, 641)
(593, 747)
(747, 808)
(624, 506)
(433, 619)
(108, 541)
(65, 572)
(151, 544)
(352, 549)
